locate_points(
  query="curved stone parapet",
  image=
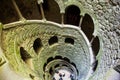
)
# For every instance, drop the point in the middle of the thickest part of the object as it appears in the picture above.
(45, 42)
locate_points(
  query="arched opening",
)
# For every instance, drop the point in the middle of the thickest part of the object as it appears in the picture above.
(24, 54)
(52, 11)
(37, 45)
(53, 40)
(69, 40)
(87, 26)
(72, 15)
(26, 57)
(96, 46)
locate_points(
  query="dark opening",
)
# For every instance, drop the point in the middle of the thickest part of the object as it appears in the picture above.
(117, 68)
(49, 59)
(95, 64)
(57, 65)
(58, 57)
(53, 40)
(87, 26)
(31, 76)
(75, 67)
(6, 9)
(66, 59)
(44, 66)
(37, 45)
(46, 5)
(72, 15)
(28, 9)
(52, 11)
(69, 40)
(24, 54)
(51, 71)
(96, 46)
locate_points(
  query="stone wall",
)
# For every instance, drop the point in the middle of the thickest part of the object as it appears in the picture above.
(108, 16)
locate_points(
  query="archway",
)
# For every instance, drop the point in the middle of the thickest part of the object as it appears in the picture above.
(72, 15)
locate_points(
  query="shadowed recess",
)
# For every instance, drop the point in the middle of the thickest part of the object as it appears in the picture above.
(52, 11)
(24, 54)
(95, 65)
(72, 15)
(88, 26)
(37, 45)
(53, 40)
(117, 68)
(96, 46)
(69, 40)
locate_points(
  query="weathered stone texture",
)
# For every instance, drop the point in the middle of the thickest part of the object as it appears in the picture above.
(107, 13)
(108, 16)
